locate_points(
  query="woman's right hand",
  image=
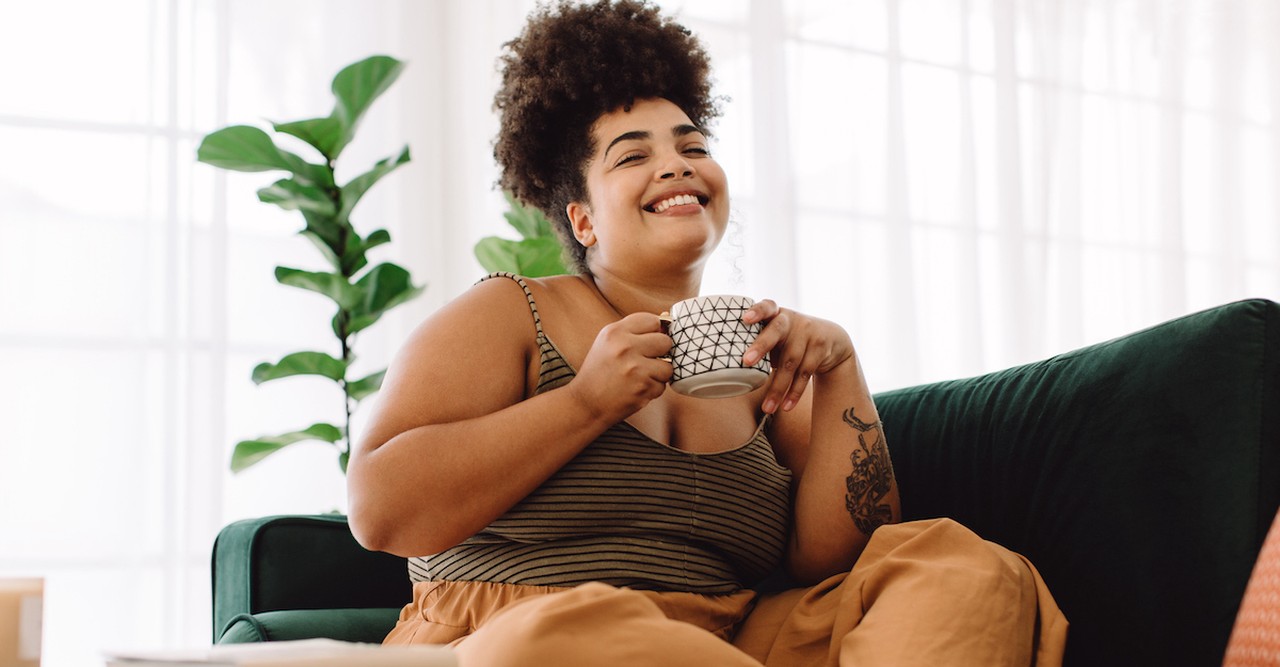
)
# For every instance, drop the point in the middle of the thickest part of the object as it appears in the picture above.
(625, 368)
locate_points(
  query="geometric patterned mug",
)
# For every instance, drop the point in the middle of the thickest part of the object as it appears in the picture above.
(708, 340)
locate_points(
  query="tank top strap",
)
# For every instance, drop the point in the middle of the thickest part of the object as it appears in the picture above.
(528, 295)
(553, 370)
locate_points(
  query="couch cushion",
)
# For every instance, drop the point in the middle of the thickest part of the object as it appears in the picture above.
(1139, 475)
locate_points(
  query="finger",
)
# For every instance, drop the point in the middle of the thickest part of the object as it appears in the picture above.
(661, 371)
(800, 381)
(653, 345)
(784, 371)
(769, 338)
(760, 311)
(636, 323)
(640, 323)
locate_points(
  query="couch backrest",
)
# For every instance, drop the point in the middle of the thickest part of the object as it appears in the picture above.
(1140, 475)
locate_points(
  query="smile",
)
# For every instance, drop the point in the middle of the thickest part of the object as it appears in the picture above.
(678, 200)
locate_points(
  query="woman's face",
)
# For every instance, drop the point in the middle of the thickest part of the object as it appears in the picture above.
(656, 195)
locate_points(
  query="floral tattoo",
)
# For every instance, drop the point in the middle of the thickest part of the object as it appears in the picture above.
(872, 477)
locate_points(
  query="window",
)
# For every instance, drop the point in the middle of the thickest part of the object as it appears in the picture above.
(138, 293)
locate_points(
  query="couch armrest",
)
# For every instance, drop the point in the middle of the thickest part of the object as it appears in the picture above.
(366, 626)
(1139, 475)
(300, 562)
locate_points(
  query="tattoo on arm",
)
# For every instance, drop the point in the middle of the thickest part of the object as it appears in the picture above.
(872, 477)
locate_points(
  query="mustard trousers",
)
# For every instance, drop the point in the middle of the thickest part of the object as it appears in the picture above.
(922, 593)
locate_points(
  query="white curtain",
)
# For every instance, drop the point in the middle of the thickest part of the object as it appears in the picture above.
(963, 184)
(971, 184)
(137, 290)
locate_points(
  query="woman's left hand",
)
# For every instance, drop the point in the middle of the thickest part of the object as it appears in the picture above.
(799, 347)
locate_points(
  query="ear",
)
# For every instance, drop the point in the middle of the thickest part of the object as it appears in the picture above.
(580, 220)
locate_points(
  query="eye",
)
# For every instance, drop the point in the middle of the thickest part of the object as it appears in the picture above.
(697, 150)
(628, 158)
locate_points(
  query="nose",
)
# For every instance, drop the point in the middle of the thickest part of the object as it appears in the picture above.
(676, 167)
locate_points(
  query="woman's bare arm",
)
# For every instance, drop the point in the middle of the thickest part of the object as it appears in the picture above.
(845, 487)
(830, 437)
(453, 443)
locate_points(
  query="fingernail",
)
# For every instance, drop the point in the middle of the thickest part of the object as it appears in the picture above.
(769, 405)
(751, 358)
(791, 403)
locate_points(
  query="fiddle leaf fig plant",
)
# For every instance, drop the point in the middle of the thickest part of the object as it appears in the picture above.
(361, 293)
(538, 253)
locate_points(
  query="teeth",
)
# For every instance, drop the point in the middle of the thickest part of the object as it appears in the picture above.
(678, 200)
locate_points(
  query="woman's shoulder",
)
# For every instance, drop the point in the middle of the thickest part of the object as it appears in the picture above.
(553, 284)
(499, 301)
(553, 291)
(565, 308)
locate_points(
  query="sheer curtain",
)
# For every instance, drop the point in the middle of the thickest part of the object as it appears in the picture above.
(972, 184)
(963, 184)
(137, 292)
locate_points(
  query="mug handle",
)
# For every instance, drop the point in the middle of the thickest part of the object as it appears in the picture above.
(664, 318)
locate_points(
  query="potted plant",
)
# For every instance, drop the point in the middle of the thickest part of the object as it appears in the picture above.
(361, 292)
(537, 253)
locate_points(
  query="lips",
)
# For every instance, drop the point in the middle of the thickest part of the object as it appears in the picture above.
(667, 200)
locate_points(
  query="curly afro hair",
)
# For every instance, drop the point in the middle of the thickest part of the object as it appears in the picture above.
(571, 65)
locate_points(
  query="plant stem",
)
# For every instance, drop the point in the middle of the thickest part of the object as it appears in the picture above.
(346, 390)
(344, 316)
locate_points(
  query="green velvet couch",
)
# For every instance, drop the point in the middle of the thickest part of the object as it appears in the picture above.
(1140, 475)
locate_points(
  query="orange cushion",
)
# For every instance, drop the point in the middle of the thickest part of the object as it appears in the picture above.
(1255, 638)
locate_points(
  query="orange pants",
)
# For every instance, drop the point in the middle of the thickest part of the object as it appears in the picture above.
(922, 593)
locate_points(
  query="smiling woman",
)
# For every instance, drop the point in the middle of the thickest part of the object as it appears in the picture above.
(537, 160)
(673, 218)
(574, 489)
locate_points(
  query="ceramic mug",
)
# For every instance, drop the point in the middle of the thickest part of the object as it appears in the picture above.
(709, 339)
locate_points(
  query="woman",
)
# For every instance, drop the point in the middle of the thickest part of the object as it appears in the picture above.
(560, 505)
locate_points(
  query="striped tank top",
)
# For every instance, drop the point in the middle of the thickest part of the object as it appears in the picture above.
(632, 512)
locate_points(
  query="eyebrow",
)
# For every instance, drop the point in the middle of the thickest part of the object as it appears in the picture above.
(677, 131)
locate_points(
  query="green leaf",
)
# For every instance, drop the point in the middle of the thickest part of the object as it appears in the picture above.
(323, 134)
(354, 260)
(542, 257)
(538, 253)
(355, 189)
(249, 452)
(357, 249)
(292, 195)
(356, 87)
(327, 228)
(332, 285)
(497, 254)
(527, 220)
(243, 148)
(380, 289)
(340, 321)
(323, 247)
(376, 238)
(301, 363)
(365, 386)
(380, 286)
(246, 148)
(535, 257)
